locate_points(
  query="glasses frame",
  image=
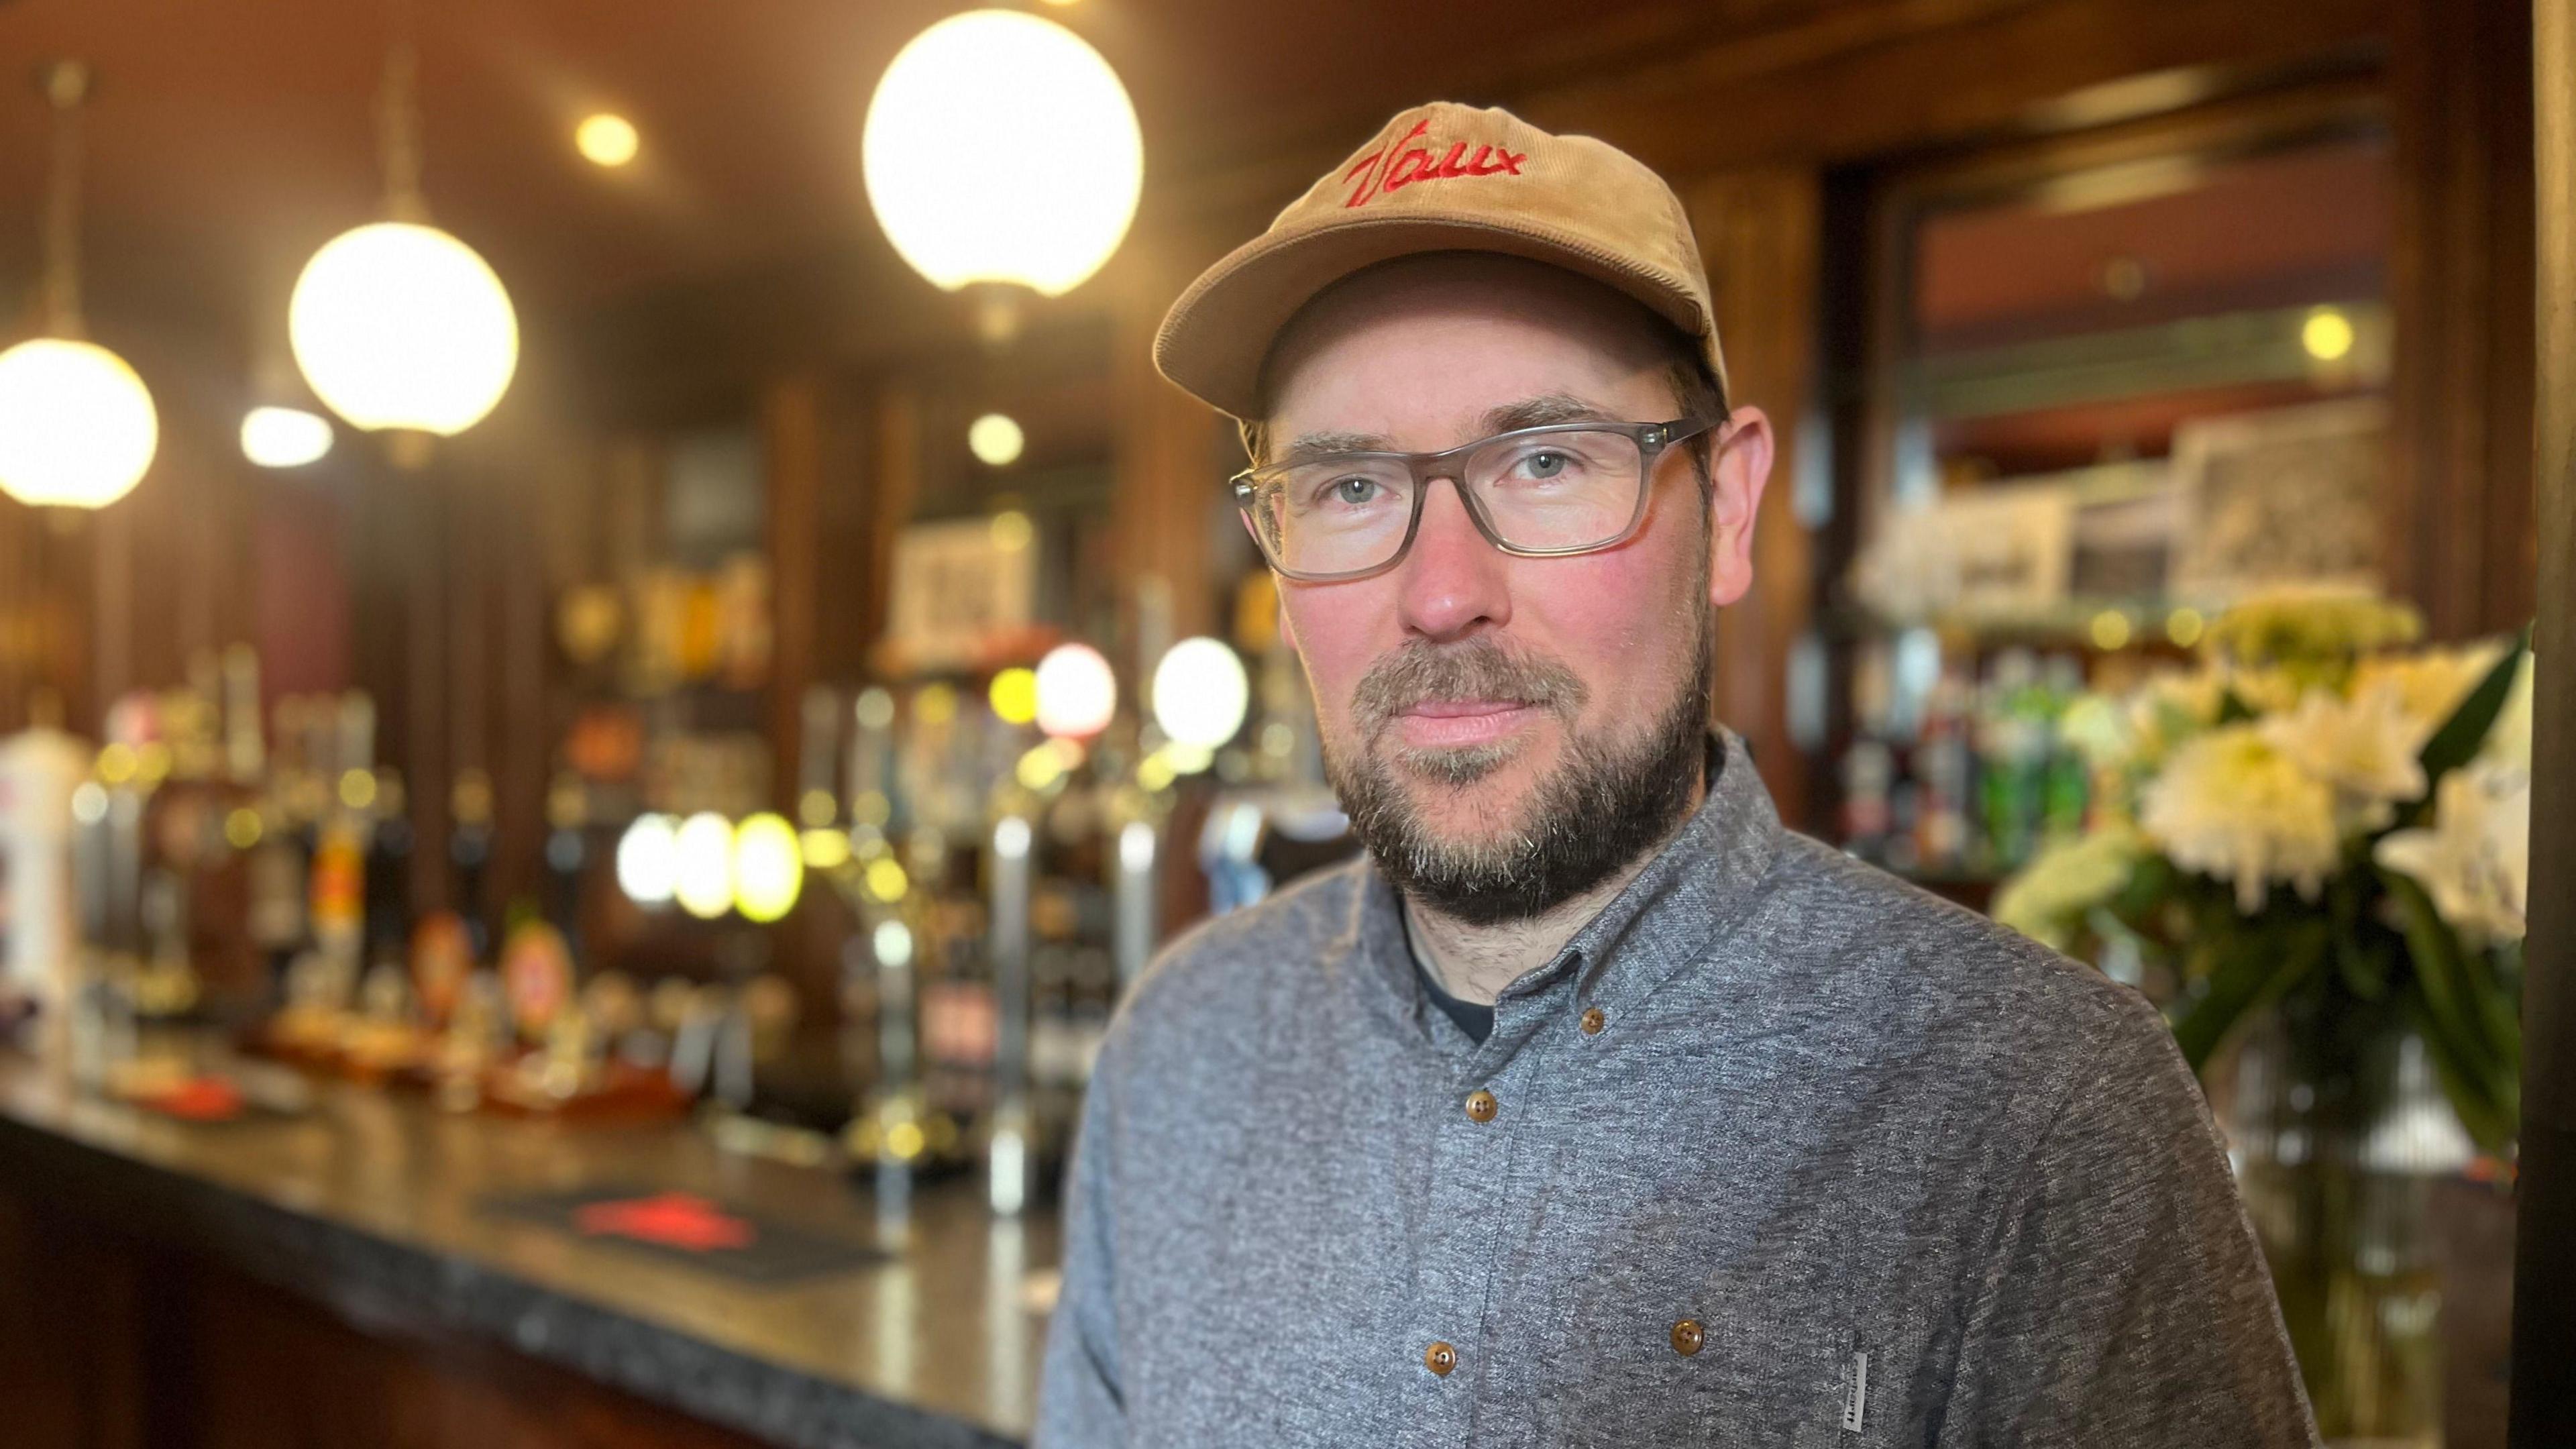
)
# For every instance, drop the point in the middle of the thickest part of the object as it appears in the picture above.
(1652, 440)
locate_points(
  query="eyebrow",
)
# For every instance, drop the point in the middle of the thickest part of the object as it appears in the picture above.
(1544, 410)
(1311, 446)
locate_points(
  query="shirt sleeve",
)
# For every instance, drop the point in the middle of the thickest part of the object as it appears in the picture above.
(2125, 1300)
(1080, 1402)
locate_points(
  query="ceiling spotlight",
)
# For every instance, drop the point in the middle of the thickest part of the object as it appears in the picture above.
(276, 437)
(996, 440)
(606, 139)
(2327, 334)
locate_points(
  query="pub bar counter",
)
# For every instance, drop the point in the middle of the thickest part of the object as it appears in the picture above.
(340, 1277)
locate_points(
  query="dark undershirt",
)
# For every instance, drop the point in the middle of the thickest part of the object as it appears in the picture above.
(1476, 1021)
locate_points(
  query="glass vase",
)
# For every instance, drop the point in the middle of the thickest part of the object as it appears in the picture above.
(2341, 1140)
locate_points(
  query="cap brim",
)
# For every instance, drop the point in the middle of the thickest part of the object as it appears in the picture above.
(1217, 336)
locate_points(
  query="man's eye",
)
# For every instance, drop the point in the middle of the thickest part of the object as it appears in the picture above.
(1352, 492)
(1544, 464)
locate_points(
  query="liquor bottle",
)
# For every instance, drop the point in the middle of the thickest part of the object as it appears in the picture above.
(567, 852)
(2013, 732)
(389, 922)
(1943, 772)
(275, 872)
(42, 772)
(469, 855)
(343, 750)
(245, 750)
(2068, 795)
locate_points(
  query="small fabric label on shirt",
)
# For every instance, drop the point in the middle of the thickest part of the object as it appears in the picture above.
(1855, 1392)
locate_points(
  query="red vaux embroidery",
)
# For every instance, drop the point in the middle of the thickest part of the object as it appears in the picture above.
(1410, 166)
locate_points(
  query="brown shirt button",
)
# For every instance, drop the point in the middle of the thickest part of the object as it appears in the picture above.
(1593, 1021)
(1481, 1105)
(1688, 1336)
(1440, 1358)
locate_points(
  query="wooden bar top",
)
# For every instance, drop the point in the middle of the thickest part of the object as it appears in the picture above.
(371, 1205)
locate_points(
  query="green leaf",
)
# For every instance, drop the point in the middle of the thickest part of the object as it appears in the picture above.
(2487, 1110)
(2231, 708)
(2467, 1015)
(2244, 972)
(2363, 965)
(2458, 740)
(2435, 951)
(2497, 996)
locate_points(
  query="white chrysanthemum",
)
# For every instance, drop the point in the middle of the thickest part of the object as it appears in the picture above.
(2098, 729)
(2231, 805)
(2296, 623)
(2142, 727)
(2475, 860)
(2431, 682)
(2048, 900)
(2267, 689)
(2369, 748)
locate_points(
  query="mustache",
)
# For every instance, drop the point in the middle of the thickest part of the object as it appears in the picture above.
(1477, 669)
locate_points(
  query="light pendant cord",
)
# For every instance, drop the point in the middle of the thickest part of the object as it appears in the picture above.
(398, 119)
(66, 85)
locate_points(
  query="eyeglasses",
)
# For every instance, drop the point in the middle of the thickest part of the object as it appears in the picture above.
(1534, 492)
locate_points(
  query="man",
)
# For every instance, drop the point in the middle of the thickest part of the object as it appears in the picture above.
(1591, 1106)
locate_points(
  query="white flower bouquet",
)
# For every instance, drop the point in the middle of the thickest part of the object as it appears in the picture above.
(2316, 818)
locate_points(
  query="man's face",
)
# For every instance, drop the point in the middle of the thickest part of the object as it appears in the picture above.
(1469, 698)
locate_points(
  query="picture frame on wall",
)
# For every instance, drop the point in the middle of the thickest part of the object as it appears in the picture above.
(2284, 497)
(956, 589)
(2000, 552)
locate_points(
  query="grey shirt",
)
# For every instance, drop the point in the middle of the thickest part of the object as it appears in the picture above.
(1838, 1165)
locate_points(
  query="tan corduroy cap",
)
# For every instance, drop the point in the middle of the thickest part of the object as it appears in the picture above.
(1441, 177)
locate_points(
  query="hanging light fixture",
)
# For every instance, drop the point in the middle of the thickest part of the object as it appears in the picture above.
(284, 437)
(77, 427)
(397, 324)
(1000, 148)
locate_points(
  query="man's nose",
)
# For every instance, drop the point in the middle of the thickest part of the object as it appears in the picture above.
(1453, 580)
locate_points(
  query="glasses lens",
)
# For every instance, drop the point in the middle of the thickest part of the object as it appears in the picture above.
(1561, 490)
(1333, 517)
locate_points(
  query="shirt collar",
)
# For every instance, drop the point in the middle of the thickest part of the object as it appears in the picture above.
(1668, 916)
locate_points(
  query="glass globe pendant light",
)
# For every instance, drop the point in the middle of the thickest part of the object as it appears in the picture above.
(77, 427)
(397, 325)
(1001, 153)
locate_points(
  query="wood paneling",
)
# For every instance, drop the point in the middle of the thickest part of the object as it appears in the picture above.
(1757, 233)
(1875, 80)
(2544, 1300)
(107, 1344)
(1169, 455)
(791, 447)
(2459, 528)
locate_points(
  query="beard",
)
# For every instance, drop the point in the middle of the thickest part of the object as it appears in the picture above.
(1607, 802)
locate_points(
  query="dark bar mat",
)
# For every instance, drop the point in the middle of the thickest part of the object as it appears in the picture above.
(691, 1229)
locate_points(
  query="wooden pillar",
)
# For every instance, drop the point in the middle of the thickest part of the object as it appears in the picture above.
(1169, 455)
(1758, 238)
(791, 448)
(894, 481)
(2544, 1290)
(2459, 536)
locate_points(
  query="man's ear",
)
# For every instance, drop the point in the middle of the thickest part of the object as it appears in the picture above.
(1739, 468)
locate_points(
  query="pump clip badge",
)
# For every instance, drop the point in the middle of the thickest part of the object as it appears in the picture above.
(1413, 163)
